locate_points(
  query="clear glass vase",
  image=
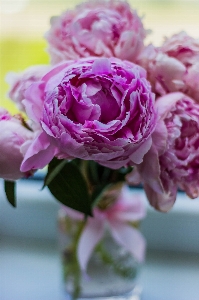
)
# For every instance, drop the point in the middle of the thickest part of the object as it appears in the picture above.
(112, 273)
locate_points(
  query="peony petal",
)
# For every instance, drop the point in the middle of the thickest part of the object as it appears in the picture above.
(159, 137)
(91, 235)
(39, 154)
(101, 66)
(150, 170)
(12, 139)
(134, 177)
(70, 147)
(137, 156)
(130, 206)
(129, 238)
(165, 103)
(54, 77)
(34, 101)
(167, 71)
(162, 202)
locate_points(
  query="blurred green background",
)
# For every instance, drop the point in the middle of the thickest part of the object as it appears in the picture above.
(24, 22)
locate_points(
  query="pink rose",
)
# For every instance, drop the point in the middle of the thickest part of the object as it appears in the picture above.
(96, 28)
(94, 109)
(173, 160)
(13, 139)
(19, 82)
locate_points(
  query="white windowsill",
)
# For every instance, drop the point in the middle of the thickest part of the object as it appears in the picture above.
(30, 262)
(36, 217)
(31, 270)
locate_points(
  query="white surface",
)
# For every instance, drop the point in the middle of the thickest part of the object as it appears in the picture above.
(36, 215)
(30, 270)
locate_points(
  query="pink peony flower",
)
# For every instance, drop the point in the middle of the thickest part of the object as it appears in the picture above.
(19, 82)
(182, 47)
(173, 160)
(96, 28)
(94, 109)
(174, 66)
(166, 74)
(185, 49)
(13, 139)
(127, 207)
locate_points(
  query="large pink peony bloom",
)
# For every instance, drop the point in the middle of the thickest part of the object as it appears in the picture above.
(173, 160)
(94, 109)
(174, 66)
(96, 28)
(13, 139)
(19, 82)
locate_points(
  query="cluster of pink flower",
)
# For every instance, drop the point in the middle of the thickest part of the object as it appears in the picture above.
(109, 98)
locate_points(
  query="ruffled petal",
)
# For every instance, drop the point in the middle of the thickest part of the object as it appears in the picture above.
(39, 154)
(165, 103)
(137, 156)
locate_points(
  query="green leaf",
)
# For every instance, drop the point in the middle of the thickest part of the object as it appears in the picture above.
(9, 187)
(98, 192)
(54, 168)
(69, 187)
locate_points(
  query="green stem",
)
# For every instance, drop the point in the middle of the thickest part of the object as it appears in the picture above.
(71, 264)
(123, 271)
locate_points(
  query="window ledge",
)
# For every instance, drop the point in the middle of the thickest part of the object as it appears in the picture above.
(36, 217)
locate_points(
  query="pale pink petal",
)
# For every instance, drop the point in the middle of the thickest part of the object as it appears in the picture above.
(89, 238)
(33, 101)
(101, 66)
(150, 170)
(55, 75)
(165, 103)
(129, 238)
(170, 73)
(72, 213)
(130, 206)
(162, 202)
(137, 156)
(134, 177)
(39, 154)
(159, 137)
(12, 139)
(19, 82)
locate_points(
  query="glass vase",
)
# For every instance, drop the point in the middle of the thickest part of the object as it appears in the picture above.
(111, 273)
